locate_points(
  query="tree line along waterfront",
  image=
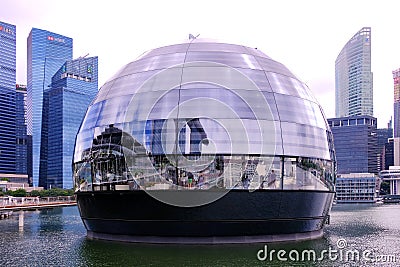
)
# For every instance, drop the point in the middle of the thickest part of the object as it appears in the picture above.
(53, 192)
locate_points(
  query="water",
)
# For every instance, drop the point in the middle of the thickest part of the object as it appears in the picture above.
(57, 237)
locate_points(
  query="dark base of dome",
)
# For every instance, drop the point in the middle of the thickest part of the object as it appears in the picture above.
(238, 217)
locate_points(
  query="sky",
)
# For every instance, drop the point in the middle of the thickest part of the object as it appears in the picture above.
(305, 35)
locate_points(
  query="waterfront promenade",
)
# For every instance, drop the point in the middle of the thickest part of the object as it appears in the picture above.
(9, 203)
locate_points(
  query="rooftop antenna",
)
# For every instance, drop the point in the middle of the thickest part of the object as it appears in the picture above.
(192, 37)
(83, 56)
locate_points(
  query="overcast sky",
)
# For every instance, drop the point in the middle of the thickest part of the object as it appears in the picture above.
(304, 35)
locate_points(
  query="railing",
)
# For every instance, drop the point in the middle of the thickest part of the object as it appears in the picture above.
(9, 202)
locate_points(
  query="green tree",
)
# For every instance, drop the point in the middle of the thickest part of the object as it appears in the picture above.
(34, 193)
(385, 188)
(18, 193)
(70, 192)
(44, 193)
(56, 192)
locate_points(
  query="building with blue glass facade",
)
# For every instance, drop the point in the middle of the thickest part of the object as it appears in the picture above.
(356, 144)
(389, 154)
(22, 141)
(47, 52)
(353, 77)
(384, 135)
(7, 98)
(72, 89)
(396, 102)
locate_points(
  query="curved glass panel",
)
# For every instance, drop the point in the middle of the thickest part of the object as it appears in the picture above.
(154, 63)
(171, 49)
(216, 47)
(103, 92)
(299, 110)
(269, 65)
(258, 78)
(130, 83)
(303, 140)
(231, 59)
(112, 111)
(289, 86)
(256, 52)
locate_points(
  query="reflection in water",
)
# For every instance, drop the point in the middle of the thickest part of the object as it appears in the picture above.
(98, 253)
(50, 238)
(57, 237)
(21, 221)
(51, 220)
(101, 253)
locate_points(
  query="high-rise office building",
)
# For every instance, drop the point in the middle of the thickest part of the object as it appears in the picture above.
(356, 144)
(389, 154)
(22, 142)
(384, 134)
(396, 102)
(353, 76)
(47, 52)
(72, 89)
(7, 98)
(396, 151)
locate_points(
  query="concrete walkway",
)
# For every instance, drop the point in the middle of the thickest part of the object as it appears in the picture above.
(40, 205)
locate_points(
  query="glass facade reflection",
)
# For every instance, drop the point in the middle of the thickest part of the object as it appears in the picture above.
(47, 52)
(396, 102)
(22, 139)
(353, 77)
(7, 98)
(204, 115)
(356, 144)
(72, 89)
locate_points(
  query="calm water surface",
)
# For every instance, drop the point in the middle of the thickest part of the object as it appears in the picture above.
(57, 237)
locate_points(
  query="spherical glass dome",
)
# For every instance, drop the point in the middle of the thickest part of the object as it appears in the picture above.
(203, 115)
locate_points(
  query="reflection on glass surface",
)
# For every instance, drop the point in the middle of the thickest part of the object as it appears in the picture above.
(115, 164)
(307, 174)
(204, 115)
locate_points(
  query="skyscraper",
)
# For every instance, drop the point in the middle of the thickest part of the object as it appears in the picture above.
(356, 144)
(396, 102)
(47, 52)
(353, 76)
(389, 154)
(72, 89)
(22, 142)
(7, 97)
(384, 134)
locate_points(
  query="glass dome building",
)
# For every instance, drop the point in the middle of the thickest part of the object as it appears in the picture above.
(204, 142)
